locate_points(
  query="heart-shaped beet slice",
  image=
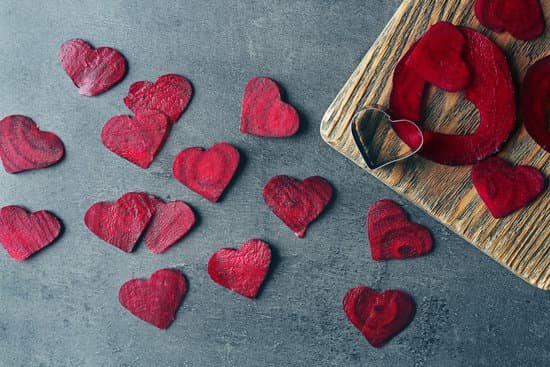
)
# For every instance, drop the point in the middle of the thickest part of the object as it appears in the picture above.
(92, 70)
(137, 139)
(297, 203)
(523, 19)
(24, 147)
(264, 113)
(535, 102)
(243, 270)
(490, 89)
(392, 235)
(170, 94)
(207, 172)
(23, 234)
(504, 188)
(171, 222)
(121, 223)
(379, 316)
(155, 300)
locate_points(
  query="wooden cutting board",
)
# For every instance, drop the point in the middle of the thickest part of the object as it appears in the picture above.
(521, 241)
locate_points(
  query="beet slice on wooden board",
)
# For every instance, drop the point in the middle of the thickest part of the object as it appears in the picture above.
(24, 147)
(137, 139)
(23, 234)
(121, 223)
(264, 113)
(379, 316)
(490, 89)
(170, 94)
(392, 235)
(171, 222)
(92, 70)
(242, 271)
(155, 300)
(207, 172)
(523, 19)
(297, 203)
(535, 102)
(504, 188)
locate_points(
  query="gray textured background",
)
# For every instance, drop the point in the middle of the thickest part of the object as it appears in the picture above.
(60, 308)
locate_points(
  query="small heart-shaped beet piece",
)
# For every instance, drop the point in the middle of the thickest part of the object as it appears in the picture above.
(137, 139)
(392, 235)
(121, 223)
(22, 233)
(170, 94)
(243, 270)
(155, 300)
(264, 113)
(379, 316)
(297, 203)
(504, 188)
(535, 102)
(523, 19)
(171, 222)
(24, 147)
(92, 70)
(207, 172)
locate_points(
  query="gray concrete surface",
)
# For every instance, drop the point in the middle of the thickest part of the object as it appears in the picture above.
(60, 308)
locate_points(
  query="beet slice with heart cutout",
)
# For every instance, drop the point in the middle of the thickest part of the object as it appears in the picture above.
(22, 233)
(92, 70)
(155, 300)
(535, 102)
(242, 271)
(24, 147)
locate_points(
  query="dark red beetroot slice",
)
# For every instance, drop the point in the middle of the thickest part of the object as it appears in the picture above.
(121, 223)
(24, 147)
(137, 139)
(208, 172)
(171, 222)
(92, 70)
(490, 89)
(297, 203)
(22, 233)
(523, 19)
(264, 113)
(379, 316)
(504, 188)
(447, 42)
(243, 270)
(535, 102)
(170, 94)
(392, 235)
(155, 300)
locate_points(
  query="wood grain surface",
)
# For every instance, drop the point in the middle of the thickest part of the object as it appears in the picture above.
(521, 241)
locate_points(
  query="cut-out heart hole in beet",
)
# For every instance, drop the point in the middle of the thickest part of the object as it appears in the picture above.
(374, 134)
(535, 102)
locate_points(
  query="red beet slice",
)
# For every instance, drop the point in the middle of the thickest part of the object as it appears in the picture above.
(137, 139)
(92, 70)
(535, 102)
(155, 300)
(170, 94)
(23, 234)
(379, 316)
(243, 270)
(172, 221)
(490, 89)
(121, 223)
(207, 172)
(264, 113)
(392, 235)
(523, 19)
(504, 188)
(297, 203)
(24, 147)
